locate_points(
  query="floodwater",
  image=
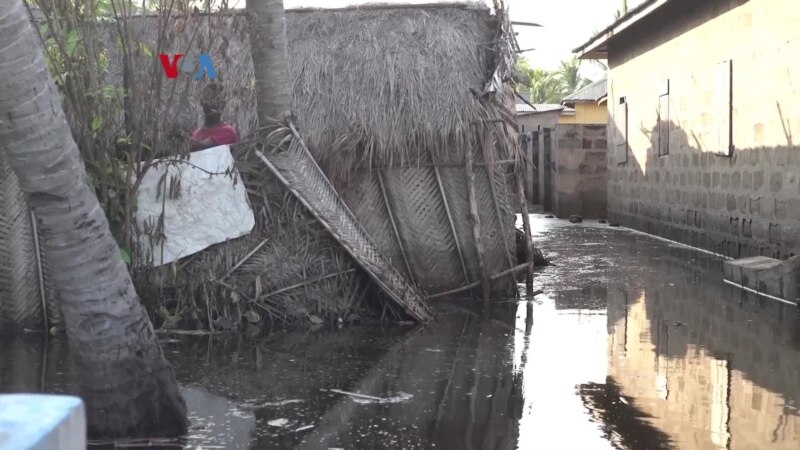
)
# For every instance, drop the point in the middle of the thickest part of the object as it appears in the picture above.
(636, 343)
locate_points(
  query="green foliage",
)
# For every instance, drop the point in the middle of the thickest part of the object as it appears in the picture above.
(113, 132)
(549, 87)
(125, 254)
(569, 76)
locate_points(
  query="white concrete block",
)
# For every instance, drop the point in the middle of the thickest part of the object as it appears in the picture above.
(212, 206)
(42, 422)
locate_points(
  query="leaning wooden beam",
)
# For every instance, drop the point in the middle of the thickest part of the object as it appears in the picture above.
(475, 284)
(304, 284)
(244, 259)
(476, 227)
(296, 169)
(394, 226)
(452, 224)
(39, 273)
(439, 165)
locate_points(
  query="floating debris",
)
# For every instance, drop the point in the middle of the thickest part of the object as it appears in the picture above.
(280, 423)
(304, 428)
(369, 399)
(251, 404)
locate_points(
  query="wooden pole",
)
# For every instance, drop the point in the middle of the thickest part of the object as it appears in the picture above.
(452, 224)
(541, 169)
(475, 284)
(488, 158)
(476, 227)
(394, 226)
(530, 166)
(526, 227)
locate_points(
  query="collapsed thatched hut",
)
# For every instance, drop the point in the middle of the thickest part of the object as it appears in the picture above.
(390, 102)
(393, 102)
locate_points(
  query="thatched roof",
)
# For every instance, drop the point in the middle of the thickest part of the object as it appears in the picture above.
(391, 80)
(388, 78)
(395, 80)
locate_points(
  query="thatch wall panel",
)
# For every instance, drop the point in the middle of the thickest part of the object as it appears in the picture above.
(20, 286)
(425, 232)
(19, 281)
(365, 199)
(492, 228)
(454, 182)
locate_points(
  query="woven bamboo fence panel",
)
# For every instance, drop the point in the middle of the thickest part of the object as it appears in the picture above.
(366, 200)
(21, 280)
(454, 182)
(425, 233)
(441, 255)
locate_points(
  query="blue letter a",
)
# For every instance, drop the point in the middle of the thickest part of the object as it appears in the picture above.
(204, 64)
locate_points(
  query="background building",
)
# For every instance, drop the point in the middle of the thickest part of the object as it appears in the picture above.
(704, 105)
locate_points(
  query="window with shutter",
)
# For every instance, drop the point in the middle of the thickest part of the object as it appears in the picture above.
(621, 119)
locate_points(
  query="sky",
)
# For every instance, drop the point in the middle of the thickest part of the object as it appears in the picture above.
(566, 24)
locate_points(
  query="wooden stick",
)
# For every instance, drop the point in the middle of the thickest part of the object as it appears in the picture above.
(445, 164)
(526, 226)
(39, 272)
(394, 226)
(488, 157)
(494, 277)
(354, 394)
(452, 224)
(243, 260)
(476, 227)
(303, 284)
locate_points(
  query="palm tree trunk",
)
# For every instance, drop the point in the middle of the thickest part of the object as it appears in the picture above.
(267, 20)
(127, 384)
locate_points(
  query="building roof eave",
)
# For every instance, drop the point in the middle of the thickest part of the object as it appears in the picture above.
(597, 46)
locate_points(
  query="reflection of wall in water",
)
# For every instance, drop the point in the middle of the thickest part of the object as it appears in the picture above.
(703, 399)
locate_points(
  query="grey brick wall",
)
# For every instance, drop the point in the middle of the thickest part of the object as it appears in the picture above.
(581, 176)
(745, 205)
(747, 202)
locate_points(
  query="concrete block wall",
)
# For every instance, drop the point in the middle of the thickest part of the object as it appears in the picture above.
(581, 170)
(738, 201)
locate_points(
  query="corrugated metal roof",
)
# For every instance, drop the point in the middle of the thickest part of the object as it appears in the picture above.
(537, 107)
(523, 108)
(591, 93)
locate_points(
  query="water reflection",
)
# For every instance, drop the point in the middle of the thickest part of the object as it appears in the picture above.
(636, 344)
(714, 375)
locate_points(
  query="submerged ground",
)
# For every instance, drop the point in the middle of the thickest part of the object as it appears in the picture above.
(636, 343)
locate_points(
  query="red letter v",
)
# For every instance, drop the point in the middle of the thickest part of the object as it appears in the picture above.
(170, 67)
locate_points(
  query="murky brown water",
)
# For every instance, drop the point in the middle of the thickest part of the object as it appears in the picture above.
(636, 344)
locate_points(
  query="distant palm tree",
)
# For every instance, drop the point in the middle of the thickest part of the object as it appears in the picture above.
(541, 84)
(544, 87)
(568, 74)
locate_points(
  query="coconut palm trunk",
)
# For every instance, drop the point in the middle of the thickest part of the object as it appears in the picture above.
(268, 44)
(127, 384)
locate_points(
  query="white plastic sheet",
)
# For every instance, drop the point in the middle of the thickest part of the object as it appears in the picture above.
(211, 207)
